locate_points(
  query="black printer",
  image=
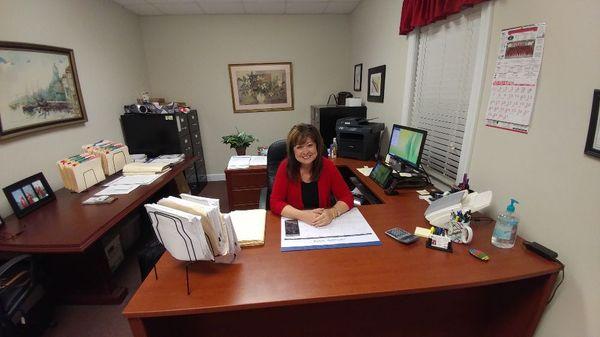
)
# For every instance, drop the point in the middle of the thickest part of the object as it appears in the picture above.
(358, 138)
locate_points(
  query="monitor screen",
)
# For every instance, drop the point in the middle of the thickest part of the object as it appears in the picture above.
(381, 174)
(406, 144)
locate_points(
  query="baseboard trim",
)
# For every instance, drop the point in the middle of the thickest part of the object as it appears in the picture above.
(216, 177)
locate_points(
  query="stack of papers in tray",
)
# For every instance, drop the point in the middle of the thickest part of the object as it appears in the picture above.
(249, 226)
(168, 159)
(351, 229)
(193, 229)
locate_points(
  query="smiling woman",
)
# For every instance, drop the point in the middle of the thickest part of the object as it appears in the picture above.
(305, 181)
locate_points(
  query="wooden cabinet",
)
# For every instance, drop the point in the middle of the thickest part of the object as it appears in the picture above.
(244, 185)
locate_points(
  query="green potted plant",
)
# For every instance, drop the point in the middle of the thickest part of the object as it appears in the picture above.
(239, 141)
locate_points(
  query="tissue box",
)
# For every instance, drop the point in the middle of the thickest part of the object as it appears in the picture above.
(353, 101)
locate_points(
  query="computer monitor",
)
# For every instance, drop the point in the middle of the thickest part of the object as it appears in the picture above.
(406, 145)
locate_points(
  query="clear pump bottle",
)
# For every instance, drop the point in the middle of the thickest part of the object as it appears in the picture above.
(505, 231)
(334, 149)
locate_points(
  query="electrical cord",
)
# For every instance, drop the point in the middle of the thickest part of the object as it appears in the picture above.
(562, 269)
(422, 168)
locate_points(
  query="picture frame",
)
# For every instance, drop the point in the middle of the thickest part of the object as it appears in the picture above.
(40, 89)
(376, 85)
(592, 144)
(358, 77)
(261, 87)
(29, 194)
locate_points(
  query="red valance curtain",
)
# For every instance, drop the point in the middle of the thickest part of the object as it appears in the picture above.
(419, 13)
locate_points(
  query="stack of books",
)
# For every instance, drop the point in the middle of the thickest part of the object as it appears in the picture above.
(113, 155)
(145, 168)
(81, 171)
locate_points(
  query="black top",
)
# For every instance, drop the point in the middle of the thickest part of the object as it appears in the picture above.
(310, 195)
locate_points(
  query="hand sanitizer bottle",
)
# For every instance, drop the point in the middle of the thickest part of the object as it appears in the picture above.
(505, 232)
(334, 149)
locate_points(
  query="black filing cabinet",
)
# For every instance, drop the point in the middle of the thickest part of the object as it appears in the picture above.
(156, 134)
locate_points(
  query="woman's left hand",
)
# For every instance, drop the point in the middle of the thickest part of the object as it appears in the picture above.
(324, 218)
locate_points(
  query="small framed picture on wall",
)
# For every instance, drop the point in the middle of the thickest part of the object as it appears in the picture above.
(376, 84)
(592, 144)
(358, 77)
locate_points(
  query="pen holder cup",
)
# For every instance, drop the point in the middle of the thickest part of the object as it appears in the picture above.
(460, 232)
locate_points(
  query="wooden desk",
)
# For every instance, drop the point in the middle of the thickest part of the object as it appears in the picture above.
(387, 290)
(66, 235)
(244, 185)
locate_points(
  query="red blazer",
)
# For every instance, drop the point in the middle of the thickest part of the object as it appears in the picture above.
(287, 192)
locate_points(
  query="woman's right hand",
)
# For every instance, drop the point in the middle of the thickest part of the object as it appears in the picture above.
(308, 216)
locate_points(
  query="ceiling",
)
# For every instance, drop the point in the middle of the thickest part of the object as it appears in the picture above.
(189, 7)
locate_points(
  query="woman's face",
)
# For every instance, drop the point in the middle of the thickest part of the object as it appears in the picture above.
(306, 152)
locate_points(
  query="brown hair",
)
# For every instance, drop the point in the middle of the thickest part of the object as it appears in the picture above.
(299, 134)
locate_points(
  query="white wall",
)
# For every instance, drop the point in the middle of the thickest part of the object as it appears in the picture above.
(188, 57)
(546, 169)
(106, 40)
(375, 42)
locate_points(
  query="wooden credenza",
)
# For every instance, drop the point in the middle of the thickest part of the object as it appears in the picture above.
(244, 185)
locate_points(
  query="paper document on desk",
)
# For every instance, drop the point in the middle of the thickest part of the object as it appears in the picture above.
(366, 171)
(258, 161)
(143, 179)
(349, 230)
(117, 189)
(238, 162)
(249, 226)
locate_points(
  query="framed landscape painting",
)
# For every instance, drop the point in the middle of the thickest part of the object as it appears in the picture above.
(39, 89)
(261, 87)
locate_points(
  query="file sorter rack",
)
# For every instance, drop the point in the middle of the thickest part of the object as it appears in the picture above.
(183, 233)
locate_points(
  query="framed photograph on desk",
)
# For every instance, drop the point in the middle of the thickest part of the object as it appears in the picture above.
(29, 194)
(592, 145)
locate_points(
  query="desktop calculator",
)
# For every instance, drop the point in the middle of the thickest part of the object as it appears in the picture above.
(401, 235)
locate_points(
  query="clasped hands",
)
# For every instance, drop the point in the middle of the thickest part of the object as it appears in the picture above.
(318, 217)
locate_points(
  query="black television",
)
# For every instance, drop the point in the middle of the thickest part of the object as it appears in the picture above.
(406, 145)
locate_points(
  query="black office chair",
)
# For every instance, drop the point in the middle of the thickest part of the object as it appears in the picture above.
(24, 307)
(276, 153)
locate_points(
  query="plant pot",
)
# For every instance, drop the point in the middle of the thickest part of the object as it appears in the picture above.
(241, 151)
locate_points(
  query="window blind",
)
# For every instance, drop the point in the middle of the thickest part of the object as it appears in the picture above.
(446, 55)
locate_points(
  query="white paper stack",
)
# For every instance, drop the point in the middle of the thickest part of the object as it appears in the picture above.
(238, 162)
(250, 226)
(169, 159)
